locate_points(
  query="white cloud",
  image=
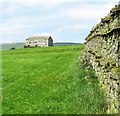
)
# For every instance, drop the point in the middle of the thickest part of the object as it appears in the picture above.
(47, 3)
(10, 9)
(22, 25)
(42, 34)
(79, 13)
(11, 29)
(107, 7)
(10, 33)
(2, 1)
(42, 3)
(73, 27)
(55, 2)
(87, 11)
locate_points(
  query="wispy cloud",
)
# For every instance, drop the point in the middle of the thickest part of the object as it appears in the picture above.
(73, 27)
(10, 9)
(23, 18)
(89, 12)
(12, 33)
(32, 3)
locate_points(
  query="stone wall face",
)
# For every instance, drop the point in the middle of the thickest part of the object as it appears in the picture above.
(102, 52)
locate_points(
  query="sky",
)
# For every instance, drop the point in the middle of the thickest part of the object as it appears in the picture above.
(64, 20)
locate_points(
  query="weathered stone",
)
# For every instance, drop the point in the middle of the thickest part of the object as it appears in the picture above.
(102, 52)
(116, 103)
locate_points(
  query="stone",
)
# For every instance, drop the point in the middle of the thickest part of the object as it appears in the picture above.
(102, 52)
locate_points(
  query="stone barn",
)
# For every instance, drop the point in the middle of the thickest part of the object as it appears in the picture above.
(39, 41)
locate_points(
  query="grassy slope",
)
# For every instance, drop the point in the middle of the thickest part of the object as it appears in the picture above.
(49, 80)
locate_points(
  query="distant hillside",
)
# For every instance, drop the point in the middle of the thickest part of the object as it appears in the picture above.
(65, 43)
(7, 46)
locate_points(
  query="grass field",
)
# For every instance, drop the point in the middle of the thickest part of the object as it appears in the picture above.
(49, 81)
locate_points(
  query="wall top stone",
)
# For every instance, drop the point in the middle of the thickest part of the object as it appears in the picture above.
(107, 25)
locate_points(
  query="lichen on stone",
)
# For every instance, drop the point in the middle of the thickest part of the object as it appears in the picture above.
(102, 53)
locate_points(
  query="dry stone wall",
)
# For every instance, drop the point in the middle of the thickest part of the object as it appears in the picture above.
(102, 52)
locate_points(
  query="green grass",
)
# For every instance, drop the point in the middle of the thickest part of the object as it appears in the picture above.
(49, 81)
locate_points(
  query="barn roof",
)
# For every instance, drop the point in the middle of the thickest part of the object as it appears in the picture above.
(38, 37)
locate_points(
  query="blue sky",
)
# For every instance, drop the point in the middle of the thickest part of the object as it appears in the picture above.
(64, 20)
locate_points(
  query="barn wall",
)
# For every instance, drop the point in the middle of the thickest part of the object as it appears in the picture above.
(41, 43)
